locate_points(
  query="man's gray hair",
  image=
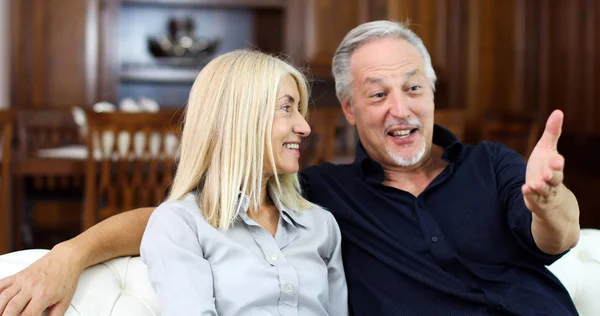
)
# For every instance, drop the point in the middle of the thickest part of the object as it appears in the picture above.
(367, 32)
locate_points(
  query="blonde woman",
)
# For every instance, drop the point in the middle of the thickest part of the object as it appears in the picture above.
(235, 236)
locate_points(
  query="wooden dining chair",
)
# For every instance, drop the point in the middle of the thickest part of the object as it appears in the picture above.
(47, 192)
(130, 162)
(518, 131)
(6, 127)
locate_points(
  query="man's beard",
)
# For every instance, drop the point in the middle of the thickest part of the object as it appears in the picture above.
(403, 161)
(400, 160)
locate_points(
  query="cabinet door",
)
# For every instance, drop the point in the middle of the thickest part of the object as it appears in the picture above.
(54, 52)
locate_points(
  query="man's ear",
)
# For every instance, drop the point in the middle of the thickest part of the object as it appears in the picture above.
(348, 112)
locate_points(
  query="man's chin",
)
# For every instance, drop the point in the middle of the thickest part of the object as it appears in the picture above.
(405, 159)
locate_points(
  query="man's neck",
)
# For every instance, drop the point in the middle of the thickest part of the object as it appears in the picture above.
(416, 178)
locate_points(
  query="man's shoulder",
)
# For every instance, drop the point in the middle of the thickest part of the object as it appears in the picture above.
(483, 149)
(318, 181)
(326, 170)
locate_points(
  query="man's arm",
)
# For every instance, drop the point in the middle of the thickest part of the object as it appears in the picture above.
(117, 236)
(51, 280)
(555, 218)
(555, 228)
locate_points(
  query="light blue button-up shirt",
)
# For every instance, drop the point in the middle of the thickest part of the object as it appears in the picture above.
(199, 270)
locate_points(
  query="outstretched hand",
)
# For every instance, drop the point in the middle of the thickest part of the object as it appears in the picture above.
(544, 176)
(49, 283)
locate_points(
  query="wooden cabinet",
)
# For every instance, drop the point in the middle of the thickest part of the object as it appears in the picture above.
(54, 53)
(79, 52)
(234, 24)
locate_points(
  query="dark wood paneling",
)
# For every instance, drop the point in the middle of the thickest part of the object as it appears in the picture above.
(373, 10)
(591, 53)
(213, 3)
(268, 30)
(108, 62)
(516, 56)
(323, 36)
(526, 56)
(55, 57)
(17, 48)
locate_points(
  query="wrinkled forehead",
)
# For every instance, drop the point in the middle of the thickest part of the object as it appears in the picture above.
(385, 58)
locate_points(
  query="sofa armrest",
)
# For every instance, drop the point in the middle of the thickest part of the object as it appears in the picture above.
(117, 287)
(579, 271)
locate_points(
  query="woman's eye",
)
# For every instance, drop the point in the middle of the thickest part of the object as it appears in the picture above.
(286, 107)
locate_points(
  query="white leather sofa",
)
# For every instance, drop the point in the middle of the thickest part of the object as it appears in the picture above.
(120, 287)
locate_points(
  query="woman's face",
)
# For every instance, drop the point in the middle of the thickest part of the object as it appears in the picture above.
(289, 127)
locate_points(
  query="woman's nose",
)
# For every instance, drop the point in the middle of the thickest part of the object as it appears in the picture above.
(301, 127)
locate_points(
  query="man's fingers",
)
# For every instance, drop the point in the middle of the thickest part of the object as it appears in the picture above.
(539, 187)
(6, 283)
(536, 190)
(59, 309)
(16, 305)
(6, 295)
(35, 307)
(556, 178)
(557, 162)
(552, 131)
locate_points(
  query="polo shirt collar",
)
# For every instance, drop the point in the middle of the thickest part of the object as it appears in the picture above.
(366, 166)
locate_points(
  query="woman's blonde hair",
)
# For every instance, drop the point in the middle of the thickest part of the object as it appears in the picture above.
(227, 132)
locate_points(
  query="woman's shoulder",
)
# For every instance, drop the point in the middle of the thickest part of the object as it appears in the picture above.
(185, 209)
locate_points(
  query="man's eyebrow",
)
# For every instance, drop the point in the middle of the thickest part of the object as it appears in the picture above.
(410, 74)
(377, 80)
(373, 80)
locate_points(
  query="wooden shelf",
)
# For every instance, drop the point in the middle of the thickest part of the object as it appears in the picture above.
(256, 4)
(159, 75)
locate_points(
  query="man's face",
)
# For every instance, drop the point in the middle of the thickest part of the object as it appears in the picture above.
(392, 105)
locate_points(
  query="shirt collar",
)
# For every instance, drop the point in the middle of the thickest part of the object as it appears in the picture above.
(441, 136)
(290, 216)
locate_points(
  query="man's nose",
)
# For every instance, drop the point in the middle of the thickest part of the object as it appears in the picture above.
(399, 106)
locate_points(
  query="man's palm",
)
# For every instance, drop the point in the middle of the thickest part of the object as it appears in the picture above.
(545, 165)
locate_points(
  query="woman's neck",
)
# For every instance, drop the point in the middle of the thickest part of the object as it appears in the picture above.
(267, 214)
(265, 200)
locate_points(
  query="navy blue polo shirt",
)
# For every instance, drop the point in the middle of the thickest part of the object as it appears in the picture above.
(462, 247)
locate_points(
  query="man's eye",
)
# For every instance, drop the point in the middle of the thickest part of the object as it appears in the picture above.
(378, 95)
(414, 88)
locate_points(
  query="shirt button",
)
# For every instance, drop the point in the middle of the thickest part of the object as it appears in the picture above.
(289, 288)
(274, 257)
(434, 239)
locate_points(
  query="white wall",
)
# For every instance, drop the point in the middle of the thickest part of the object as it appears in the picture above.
(4, 53)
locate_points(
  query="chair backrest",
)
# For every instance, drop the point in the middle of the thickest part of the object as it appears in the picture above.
(6, 129)
(518, 131)
(452, 119)
(45, 128)
(130, 161)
